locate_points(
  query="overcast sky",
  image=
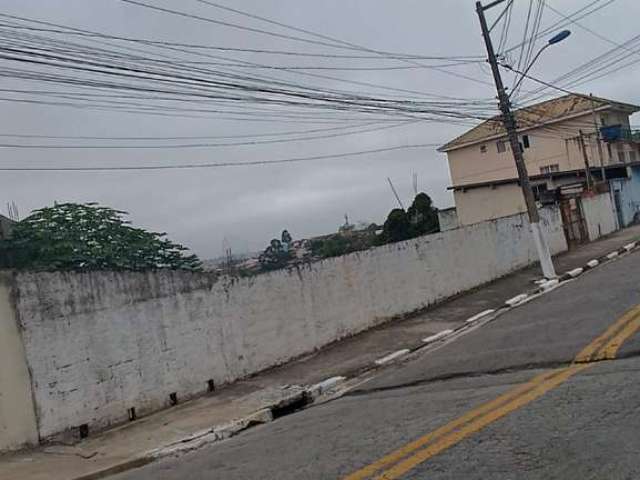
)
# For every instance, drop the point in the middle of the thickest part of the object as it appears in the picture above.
(249, 205)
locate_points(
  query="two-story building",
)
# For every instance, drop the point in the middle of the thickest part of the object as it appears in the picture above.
(569, 143)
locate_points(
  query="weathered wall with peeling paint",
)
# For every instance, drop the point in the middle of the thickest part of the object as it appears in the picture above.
(101, 343)
(599, 214)
(17, 415)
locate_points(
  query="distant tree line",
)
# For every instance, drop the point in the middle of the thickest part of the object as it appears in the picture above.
(421, 218)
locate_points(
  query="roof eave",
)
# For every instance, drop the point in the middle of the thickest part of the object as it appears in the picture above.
(447, 147)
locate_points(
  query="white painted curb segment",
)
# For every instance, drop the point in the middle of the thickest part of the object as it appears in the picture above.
(437, 336)
(325, 386)
(549, 284)
(512, 302)
(630, 246)
(593, 263)
(478, 316)
(575, 272)
(612, 255)
(391, 356)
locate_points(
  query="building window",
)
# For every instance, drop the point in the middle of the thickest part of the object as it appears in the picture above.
(483, 149)
(632, 156)
(525, 141)
(603, 119)
(500, 145)
(609, 150)
(621, 156)
(550, 168)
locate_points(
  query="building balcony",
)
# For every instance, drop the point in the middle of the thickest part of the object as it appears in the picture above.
(614, 133)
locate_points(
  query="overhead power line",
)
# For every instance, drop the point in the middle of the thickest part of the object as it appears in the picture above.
(336, 43)
(184, 137)
(171, 46)
(197, 145)
(197, 46)
(219, 164)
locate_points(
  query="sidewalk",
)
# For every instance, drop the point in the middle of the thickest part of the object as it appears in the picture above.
(261, 398)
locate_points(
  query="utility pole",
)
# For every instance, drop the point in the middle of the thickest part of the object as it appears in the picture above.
(587, 169)
(510, 126)
(603, 173)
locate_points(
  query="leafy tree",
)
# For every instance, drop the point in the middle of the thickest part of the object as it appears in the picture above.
(423, 216)
(396, 228)
(274, 256)
(72, 236)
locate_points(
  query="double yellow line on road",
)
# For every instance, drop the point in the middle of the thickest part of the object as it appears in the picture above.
(406, 458)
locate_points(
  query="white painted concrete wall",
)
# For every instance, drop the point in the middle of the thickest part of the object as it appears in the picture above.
(100, 343)
(17, 416)
(599, 215)
(448, 219)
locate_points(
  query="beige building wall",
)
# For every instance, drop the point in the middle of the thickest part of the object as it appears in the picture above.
(555, 144)
(17, 414)
(486, 203)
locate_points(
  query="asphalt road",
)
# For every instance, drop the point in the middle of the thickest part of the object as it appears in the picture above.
(506, 401)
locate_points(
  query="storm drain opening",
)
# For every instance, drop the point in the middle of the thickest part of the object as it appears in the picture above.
(290, 407)
(83, 430)
(132, 413)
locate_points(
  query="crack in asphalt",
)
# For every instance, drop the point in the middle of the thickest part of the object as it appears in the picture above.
(482, 373)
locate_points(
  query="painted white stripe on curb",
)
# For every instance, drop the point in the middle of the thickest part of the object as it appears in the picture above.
(575, 272)
(593, 263)
(630, 246)
(325, 385)
(437, 336)
(550, 284)
(391, 356)
(479, 315)
(512, 302)
(612, 255)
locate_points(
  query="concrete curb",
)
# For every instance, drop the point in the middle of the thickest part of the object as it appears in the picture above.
(575, 272)
(212, 435)
(549, 285)
(392, 356)
(592, 263)
(480, 315)
(324, 387)
(514, 301)
(437, 336)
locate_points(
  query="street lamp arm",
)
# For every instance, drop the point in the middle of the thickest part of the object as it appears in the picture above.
(524, 74)
(557, 38)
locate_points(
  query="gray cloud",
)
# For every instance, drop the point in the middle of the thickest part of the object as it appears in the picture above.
(250, 205)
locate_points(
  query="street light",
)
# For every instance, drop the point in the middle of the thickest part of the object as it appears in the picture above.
(557, 38)
(509, 122)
